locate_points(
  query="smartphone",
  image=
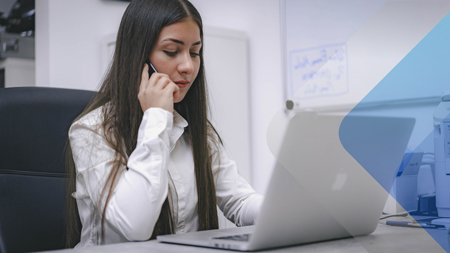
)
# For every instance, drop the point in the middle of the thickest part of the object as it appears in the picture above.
(151, 69)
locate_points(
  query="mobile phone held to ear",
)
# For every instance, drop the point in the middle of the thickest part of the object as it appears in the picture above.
(151, 69)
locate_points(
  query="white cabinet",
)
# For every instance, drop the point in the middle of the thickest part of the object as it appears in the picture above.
(18, 72)
(226, 64)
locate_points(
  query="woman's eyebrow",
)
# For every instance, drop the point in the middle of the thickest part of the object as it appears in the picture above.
(181, 42)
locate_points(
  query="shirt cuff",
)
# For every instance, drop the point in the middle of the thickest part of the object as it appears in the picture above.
(154, 122)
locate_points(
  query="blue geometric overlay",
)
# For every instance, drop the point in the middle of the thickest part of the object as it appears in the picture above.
(424, 69)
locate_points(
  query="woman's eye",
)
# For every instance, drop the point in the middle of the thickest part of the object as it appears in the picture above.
(194, 54)
(171, 53)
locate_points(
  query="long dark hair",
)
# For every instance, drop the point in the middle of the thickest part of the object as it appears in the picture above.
(141, 24)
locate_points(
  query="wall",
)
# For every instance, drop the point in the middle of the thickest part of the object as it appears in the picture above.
(68, 41)
(68, 54)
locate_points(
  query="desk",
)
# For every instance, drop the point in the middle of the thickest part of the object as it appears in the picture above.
(384, 239)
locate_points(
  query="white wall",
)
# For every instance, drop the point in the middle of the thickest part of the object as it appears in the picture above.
(69, 35)
(68, 40)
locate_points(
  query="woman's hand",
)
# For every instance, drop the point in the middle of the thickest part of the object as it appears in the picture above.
(158, 91)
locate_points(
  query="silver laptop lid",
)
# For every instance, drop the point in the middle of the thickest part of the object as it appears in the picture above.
(331, 177)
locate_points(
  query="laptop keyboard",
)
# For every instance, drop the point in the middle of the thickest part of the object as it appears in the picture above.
(242, 238)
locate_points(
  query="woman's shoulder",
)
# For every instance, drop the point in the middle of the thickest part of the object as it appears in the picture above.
(92, 120)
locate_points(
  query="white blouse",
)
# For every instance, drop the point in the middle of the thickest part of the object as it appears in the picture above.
(162, 160)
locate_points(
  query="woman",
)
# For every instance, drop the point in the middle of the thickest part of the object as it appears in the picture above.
(144, 157)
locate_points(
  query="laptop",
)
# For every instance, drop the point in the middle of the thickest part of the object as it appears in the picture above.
(330, 181)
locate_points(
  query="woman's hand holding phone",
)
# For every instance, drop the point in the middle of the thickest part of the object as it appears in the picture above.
(157, 90)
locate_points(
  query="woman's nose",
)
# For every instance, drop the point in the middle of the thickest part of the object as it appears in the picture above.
(186, 65)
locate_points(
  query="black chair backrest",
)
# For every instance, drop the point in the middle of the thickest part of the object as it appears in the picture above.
(34, 122)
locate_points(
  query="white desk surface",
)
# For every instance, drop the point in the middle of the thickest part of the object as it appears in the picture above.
(384, 239)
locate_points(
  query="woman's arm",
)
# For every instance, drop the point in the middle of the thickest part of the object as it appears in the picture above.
(235, 197)
(141, 190)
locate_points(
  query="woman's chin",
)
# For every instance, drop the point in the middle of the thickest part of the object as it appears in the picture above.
(179, 98)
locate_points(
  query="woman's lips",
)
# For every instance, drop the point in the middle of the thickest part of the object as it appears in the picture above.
(182, 84)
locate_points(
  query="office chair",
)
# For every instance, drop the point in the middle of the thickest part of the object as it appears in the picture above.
(34, 122)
